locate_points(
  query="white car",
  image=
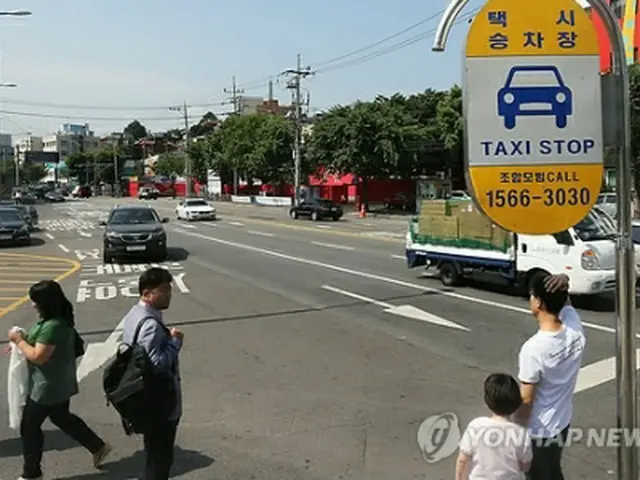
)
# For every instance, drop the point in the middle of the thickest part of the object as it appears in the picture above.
(195, 209)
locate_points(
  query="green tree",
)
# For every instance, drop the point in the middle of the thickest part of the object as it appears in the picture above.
(259, 146)
(205, 126)
(32, 173)
(80, 165)
(135, 130)
(170, 163)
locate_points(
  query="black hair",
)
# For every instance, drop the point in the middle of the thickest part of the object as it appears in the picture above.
(51, 301)
(153, 278)
(502, 394)
(552, 302)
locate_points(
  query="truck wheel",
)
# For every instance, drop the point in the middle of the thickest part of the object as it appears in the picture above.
(449, 275)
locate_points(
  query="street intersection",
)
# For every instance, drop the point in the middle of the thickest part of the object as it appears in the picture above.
(310, 350)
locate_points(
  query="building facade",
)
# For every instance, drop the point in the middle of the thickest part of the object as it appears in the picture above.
(70, 139)
(27, 144)
(627, 13)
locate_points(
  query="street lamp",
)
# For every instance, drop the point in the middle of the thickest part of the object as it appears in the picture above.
(15, 13)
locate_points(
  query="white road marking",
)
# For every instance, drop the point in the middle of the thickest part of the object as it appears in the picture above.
(399, 257)
(327, 227)
(97, 354)
(332, 245)
(64, 249)
(237, 224)
(380, 278)
(186, 225)
(49, 236)
(407, 311)
(260, 234)
(84, 234)
(598, 373)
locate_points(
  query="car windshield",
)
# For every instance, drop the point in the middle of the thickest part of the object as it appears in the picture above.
(10, 216)
(325, 203)
(595, 227)
(197, 203)
(534, 78)
(133, 216)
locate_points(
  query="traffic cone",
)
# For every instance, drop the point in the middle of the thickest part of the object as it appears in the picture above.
(363, 211)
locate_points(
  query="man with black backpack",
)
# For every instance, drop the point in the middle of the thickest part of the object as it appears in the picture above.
(153, 363)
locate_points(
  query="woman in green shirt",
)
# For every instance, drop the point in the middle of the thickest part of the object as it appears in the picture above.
(50, 347)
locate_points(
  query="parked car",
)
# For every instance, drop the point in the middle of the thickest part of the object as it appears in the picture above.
(195, 209)
(81, 191)
(400, 201)
(317, 209)
(30, 214)
(14, 229)
(148, 193)
(134, 231)
(54, 196)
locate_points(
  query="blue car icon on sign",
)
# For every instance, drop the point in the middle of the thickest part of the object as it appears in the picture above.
(534, 90)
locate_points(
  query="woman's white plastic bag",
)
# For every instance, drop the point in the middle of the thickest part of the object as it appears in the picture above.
(17, 386)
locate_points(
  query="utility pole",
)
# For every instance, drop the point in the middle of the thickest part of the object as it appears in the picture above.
(236, 96)
(16, 161)
(298, 74)
(184, 109)
(116, 174)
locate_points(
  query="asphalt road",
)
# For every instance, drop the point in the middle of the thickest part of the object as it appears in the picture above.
(299, 359)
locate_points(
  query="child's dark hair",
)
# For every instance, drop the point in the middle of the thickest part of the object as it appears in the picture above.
(552, 302)
(502, 394)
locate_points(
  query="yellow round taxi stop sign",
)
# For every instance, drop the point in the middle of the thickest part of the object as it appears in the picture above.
(533, 114)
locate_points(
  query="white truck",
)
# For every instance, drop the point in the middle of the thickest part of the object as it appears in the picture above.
(585, 252)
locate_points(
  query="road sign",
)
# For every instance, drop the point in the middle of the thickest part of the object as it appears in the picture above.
(533, 116)
(41, 158)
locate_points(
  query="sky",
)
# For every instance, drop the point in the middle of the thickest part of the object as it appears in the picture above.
(109, 62)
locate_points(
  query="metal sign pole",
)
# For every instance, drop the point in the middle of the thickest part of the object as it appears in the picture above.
(625, 264)
(625, 268)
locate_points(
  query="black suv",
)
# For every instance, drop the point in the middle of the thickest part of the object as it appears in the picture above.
(14, 230)
(134, 231)
(317, 209)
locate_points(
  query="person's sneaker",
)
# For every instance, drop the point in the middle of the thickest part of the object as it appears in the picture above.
(100, 455)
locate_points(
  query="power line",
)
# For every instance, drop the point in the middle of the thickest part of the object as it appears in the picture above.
(63, 106)
(99, 119)
(380, 42)
(392, 48)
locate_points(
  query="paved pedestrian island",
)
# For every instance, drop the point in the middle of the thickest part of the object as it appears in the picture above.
(18, 271)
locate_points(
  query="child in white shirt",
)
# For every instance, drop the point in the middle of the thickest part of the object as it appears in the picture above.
(493, 447)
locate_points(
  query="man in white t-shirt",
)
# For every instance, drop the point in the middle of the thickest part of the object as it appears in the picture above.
(549, 363)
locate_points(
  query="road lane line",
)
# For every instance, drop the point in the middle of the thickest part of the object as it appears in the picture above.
(599, 372)
(356, 296)
(49, 236)
(237, 224)
(380, 278)
(64, 249)
(84, 234)
(326, 227)
(73, 267)
(186, 225)
(260, 234)
(399, 257)
(333, 245)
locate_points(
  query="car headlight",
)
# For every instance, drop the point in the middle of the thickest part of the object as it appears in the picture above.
(111, 235)
(158, 233)
(589, 260)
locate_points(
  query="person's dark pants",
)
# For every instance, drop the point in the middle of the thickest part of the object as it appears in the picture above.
(159, 442)
(547, 457)
(33, 416)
